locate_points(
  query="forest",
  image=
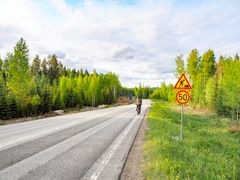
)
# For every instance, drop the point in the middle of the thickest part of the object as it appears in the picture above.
(46, 85)
(215, 82)
(30, 89)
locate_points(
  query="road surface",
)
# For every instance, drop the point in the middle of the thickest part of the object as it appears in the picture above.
(88, 145)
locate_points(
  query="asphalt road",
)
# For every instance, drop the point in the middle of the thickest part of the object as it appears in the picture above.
(88, 145)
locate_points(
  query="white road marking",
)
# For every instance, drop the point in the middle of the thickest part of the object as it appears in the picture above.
(94, 172)
(21, 168)
(44, 132)
(39, 134)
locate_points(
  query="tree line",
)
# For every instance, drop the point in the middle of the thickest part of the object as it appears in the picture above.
(142, 91)
(215, 82)
(46, 85)
(164, 92)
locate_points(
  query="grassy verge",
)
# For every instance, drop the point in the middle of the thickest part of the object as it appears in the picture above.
(208, 149)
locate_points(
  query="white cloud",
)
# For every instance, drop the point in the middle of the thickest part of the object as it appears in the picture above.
(139, 42)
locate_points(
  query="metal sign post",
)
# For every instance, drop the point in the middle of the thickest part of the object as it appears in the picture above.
(181, 128)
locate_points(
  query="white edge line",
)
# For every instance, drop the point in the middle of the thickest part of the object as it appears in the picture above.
(94, 172)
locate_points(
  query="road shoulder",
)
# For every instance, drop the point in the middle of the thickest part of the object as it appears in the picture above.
(134, 164)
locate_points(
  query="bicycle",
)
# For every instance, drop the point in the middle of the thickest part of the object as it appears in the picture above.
(138, 109)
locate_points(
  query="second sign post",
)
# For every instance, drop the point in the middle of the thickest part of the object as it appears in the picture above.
(182, 96)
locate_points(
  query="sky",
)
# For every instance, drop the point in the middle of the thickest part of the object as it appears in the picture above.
(137, 39)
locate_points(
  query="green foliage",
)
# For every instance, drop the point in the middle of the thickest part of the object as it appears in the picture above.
(208, 64)
(211, 92)
(208, 149)
(230, 82)
(215, 85)
(3, 88)
(53, 70)
(57, 102)
(36, 102)
(28, 111)
(46, 101)
(35, 68)
(18, 73)
(1, 64)
(143, 91)
(129, 92)
(165, 93)
(4, 108)
(179, 65)
(45, 85)
(89, 90)
(13, 108)
(193, 61)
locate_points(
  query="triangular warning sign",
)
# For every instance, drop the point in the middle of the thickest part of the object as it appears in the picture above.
(182, 83)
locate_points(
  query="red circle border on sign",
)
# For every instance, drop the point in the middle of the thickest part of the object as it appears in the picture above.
(180, 92)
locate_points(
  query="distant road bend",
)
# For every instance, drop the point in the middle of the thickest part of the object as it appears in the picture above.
(88, 145)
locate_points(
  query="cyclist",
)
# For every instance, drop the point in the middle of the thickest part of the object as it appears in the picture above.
(139, 104)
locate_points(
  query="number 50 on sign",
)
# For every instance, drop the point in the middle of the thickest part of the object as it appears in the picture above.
(182, 97)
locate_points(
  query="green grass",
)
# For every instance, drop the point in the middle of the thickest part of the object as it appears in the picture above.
(208, 149)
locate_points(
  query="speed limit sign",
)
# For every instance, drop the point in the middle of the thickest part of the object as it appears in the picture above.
(182, 97)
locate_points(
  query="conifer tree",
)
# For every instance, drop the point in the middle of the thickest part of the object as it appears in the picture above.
(13, 108)
(4, 108)
(35, 68)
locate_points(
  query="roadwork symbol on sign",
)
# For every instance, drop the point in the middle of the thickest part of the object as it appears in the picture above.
(183, 83)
